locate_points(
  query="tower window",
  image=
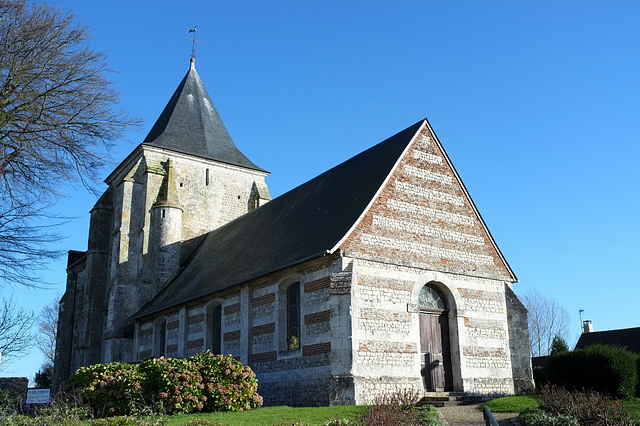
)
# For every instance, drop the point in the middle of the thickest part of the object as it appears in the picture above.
(206, 178)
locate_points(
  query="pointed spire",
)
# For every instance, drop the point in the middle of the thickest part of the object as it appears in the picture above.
(190, 124)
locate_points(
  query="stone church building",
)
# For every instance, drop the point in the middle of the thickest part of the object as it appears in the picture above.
(378, 274)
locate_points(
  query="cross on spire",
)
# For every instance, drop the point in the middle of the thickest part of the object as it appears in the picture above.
(193, 48)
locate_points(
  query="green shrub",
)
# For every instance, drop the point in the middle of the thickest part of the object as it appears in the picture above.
(110, 389)
(228, 385)
(174, 383)
(638, 374)
(608, 369)
(429, 416)
(204, 382)
(538, 417)
(7, 402)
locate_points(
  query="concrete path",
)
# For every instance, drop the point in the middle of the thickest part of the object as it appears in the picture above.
(471, 415)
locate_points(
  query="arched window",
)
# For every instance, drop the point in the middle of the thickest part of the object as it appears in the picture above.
(161, 338)
(431, 297)
(214, 323)
(293, 316)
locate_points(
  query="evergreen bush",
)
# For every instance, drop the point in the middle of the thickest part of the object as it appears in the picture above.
(638, 375)
(608, 369)
(204, 382)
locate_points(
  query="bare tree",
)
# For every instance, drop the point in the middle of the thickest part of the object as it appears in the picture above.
(47, 323)
(547, 320)
(16, 337)
(57, 124)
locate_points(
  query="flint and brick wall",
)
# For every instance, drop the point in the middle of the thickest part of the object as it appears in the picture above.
(254, 331)
(421, 221)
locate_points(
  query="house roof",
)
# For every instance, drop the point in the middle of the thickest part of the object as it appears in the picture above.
(626, 337)
(305, 223)
(190, 124)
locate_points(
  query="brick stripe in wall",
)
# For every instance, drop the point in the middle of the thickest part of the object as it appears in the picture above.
(232, 309)
(145, 332)
(195, 319)
(263, 300)
(484, 352)
(263, 329)
(198, 343)
(232, 335)
(264, 357)
(387, 347)
(316, 285)
(172, 348)
(173, 325)
(318, 348)
(317, 317)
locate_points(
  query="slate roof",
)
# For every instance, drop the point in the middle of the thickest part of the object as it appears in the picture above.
(305, 223)
(626, 337)
(190, 124)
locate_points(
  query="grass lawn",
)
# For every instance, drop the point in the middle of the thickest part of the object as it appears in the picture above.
(275, 415)
(513, 404)
(633, 404)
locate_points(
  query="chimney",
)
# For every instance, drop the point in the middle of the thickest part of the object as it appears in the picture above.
(587, 327)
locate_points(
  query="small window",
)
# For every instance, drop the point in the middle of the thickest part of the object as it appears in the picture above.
(206, 178)
(431, 297)
(215, 322)
(162, 338)
(293, 316)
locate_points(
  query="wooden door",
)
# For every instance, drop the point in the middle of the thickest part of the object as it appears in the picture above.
(435, 351)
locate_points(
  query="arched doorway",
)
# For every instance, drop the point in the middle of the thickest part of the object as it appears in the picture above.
(435, 350)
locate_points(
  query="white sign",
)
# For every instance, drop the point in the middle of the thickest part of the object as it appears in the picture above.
(38, 396)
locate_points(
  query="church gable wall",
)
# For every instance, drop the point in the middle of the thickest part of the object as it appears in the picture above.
(423, 218)
(424, 227)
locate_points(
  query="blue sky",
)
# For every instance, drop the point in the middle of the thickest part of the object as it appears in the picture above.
(536, 103)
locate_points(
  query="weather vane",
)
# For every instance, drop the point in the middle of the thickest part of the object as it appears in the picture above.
(193, 48)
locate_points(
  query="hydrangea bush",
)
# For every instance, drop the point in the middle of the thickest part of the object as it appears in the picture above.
(204, 382)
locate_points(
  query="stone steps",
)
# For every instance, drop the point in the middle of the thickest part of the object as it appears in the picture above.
(442, 399)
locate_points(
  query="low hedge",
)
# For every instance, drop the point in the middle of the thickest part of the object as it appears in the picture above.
(202, 383)
(608, 369)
